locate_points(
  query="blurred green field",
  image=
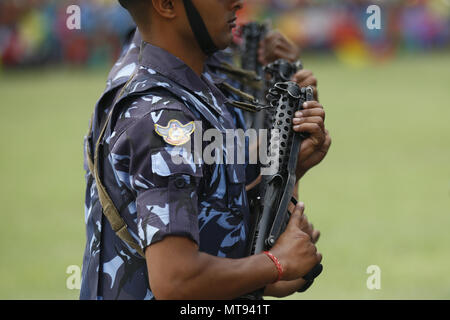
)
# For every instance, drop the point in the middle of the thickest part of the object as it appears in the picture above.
(382, 197)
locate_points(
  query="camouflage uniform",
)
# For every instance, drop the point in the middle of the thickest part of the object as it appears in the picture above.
(156, 197)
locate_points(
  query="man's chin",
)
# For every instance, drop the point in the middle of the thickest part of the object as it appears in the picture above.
(226, 41)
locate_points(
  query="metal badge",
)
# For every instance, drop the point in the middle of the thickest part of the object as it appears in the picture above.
(175, 133)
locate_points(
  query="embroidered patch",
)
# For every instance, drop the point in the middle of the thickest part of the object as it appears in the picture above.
(175, 133)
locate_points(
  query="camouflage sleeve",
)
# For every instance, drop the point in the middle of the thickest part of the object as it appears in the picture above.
(163, 176)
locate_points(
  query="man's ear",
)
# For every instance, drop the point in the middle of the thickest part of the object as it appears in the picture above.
(165, 8)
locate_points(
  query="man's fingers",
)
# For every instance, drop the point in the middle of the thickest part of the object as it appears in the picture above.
(314, 129)
(281, 53)
(315, 236)
(317, 120)
(319, 257)
(310, 81)
(312, 105)
(291, 207)
(306, 78)
(276, 46)
(270, 46)
(272, 40)
(302, 75)
(328, 140)
(270, 36)
(305, 113)
(296, 216)
(287, 50)
(304, 224)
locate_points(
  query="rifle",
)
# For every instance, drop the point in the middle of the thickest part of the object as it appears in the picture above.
(272, 215)
(281, 71)
(287, 98)
(252, 34)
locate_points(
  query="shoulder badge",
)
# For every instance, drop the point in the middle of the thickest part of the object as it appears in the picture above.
(175, 133)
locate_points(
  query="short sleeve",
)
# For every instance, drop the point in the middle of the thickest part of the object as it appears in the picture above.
(164, 177)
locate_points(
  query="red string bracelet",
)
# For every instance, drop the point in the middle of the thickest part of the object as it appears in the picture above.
(277, 264)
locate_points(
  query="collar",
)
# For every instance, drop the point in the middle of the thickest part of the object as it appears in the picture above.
(170, 66)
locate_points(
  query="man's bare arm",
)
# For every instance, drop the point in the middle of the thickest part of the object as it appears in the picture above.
(177, 270)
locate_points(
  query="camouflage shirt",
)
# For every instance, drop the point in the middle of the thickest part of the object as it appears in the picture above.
(155, 196)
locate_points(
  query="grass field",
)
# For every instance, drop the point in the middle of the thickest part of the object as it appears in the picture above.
(382, 196)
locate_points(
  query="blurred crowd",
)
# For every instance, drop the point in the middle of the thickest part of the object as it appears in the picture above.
(34, 32)
(341, 26)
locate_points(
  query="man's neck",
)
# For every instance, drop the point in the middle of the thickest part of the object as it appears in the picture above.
(187, 51)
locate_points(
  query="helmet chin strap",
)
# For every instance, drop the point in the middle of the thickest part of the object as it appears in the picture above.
(199, 29)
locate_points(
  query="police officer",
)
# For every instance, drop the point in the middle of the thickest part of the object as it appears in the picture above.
(188, 219)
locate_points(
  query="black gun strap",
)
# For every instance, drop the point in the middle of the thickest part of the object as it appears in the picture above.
(236, 91)
(199, 29)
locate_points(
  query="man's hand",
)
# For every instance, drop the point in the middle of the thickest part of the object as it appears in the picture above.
(306, 226)
(315, 147)
(283, 289)
(306, 78)
(310, 120)
(295, 249)
(276, 46)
